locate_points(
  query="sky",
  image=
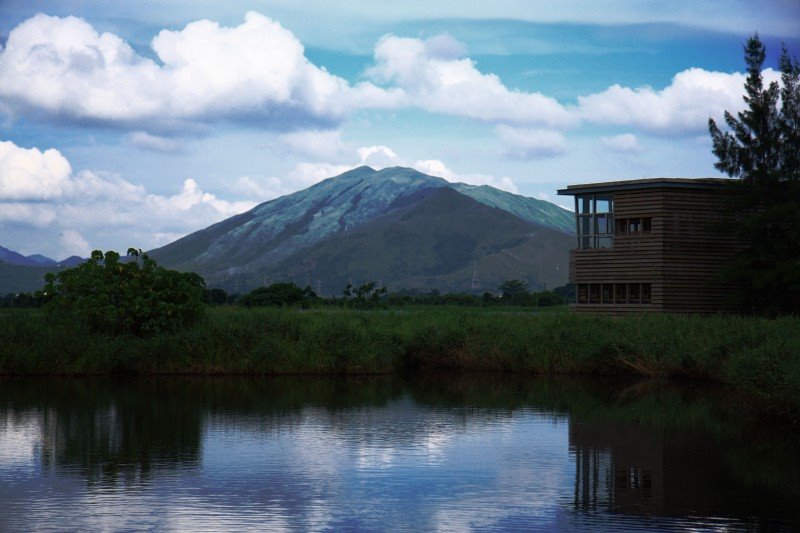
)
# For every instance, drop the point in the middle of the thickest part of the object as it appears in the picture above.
(131, 124)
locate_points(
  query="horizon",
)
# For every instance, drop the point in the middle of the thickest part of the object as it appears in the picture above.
(126, 126)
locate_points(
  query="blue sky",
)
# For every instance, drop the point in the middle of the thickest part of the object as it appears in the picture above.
(131, 124)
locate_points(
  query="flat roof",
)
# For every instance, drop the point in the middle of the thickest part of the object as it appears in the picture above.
(646, 183)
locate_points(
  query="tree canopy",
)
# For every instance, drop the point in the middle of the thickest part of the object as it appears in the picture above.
(137, 297)
(762, 149)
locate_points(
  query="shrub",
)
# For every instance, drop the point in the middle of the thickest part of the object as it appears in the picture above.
(278, 295)
(137, 297)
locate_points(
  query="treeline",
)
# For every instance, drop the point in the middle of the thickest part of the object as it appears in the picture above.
(369, 295)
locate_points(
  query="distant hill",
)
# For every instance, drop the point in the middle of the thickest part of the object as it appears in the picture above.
(396, 225)
(21, 278)
(19, 273)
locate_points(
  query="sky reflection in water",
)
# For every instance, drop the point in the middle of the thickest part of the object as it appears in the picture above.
(292, 454)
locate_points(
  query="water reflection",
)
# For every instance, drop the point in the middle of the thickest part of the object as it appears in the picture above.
(378, 454)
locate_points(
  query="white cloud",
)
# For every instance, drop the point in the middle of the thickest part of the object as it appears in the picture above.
(526, 143)
(157, 143)
(73, 243)
(378, 157)
(261, 189)
(681, 108)
(434, 167)
(625, 143)
(30, 174)
(434, 80)
(48, 194)
(307, 174)
(257, 72)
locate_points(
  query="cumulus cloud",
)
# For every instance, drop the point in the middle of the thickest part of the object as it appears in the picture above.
(681, 108)
(434, 167)
(526, 143)
(625, 143)
(433, 79)
(257, 71)
(73, 243)
(261, 189)
(30, 174)
(378, 157)
(38, 189)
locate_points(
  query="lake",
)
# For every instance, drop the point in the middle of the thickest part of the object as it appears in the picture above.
(449, 453)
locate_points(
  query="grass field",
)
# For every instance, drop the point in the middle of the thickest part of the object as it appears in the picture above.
(757, 356)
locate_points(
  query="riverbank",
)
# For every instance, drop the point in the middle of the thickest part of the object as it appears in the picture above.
(756, 356)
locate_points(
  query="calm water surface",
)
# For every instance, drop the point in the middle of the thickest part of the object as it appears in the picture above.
(379, 454)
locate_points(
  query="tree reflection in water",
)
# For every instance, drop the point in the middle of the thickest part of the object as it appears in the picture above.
(652, 449)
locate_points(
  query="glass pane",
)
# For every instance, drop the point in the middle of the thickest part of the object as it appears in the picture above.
(601, 224)
(584, 204)
(586, 242)
(603, 204)
(604, 242)
(634, 225)
(621, 226)
(584, 225)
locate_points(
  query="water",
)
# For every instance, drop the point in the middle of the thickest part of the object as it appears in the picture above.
(377, 454)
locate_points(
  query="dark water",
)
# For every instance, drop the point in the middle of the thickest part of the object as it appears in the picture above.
(441, 453)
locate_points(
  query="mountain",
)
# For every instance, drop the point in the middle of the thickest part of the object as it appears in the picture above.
(39, 259)
(433, 238)
(383, 226)
(71, 261)
(26, 274)
(13, 258)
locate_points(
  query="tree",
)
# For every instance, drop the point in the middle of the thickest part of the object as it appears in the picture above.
(762, 149)
(513, 289)
(279, 295)
(137, 297)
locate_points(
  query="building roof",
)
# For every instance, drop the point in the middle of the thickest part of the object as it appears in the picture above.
(647, 183)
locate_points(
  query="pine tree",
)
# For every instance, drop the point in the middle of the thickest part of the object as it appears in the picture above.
(762, 149)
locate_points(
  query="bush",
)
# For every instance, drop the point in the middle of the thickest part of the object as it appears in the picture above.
(278, 295)
(137, 297)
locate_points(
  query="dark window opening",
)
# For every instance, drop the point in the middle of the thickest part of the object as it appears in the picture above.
(594, 293)
(614, 293)
(633, 293)
(620, 293)
(633, 226)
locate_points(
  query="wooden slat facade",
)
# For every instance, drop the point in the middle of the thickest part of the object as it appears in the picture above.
(679, 259)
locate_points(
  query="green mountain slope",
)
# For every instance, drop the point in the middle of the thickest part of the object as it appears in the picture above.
(434, 238)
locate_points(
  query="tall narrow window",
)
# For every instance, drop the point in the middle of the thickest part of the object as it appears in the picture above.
(595, 221)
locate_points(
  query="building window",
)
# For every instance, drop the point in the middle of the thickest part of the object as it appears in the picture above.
(614, 293)
(633, 226)
(583, 293)
(595, 220)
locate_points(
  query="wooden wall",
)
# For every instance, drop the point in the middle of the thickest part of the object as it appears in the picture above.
(680, 257)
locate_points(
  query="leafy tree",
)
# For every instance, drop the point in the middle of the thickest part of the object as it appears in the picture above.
(279, 295)
(762, 149)
(514, 290)
(136, 297)
(366, 295)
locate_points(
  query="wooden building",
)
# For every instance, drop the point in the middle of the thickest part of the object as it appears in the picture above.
(650, 245)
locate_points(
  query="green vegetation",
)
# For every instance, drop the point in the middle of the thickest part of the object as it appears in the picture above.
(109, 296)
(758, 356)
(762, 148)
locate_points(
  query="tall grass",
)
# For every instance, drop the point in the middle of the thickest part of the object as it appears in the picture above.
(758, 356)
